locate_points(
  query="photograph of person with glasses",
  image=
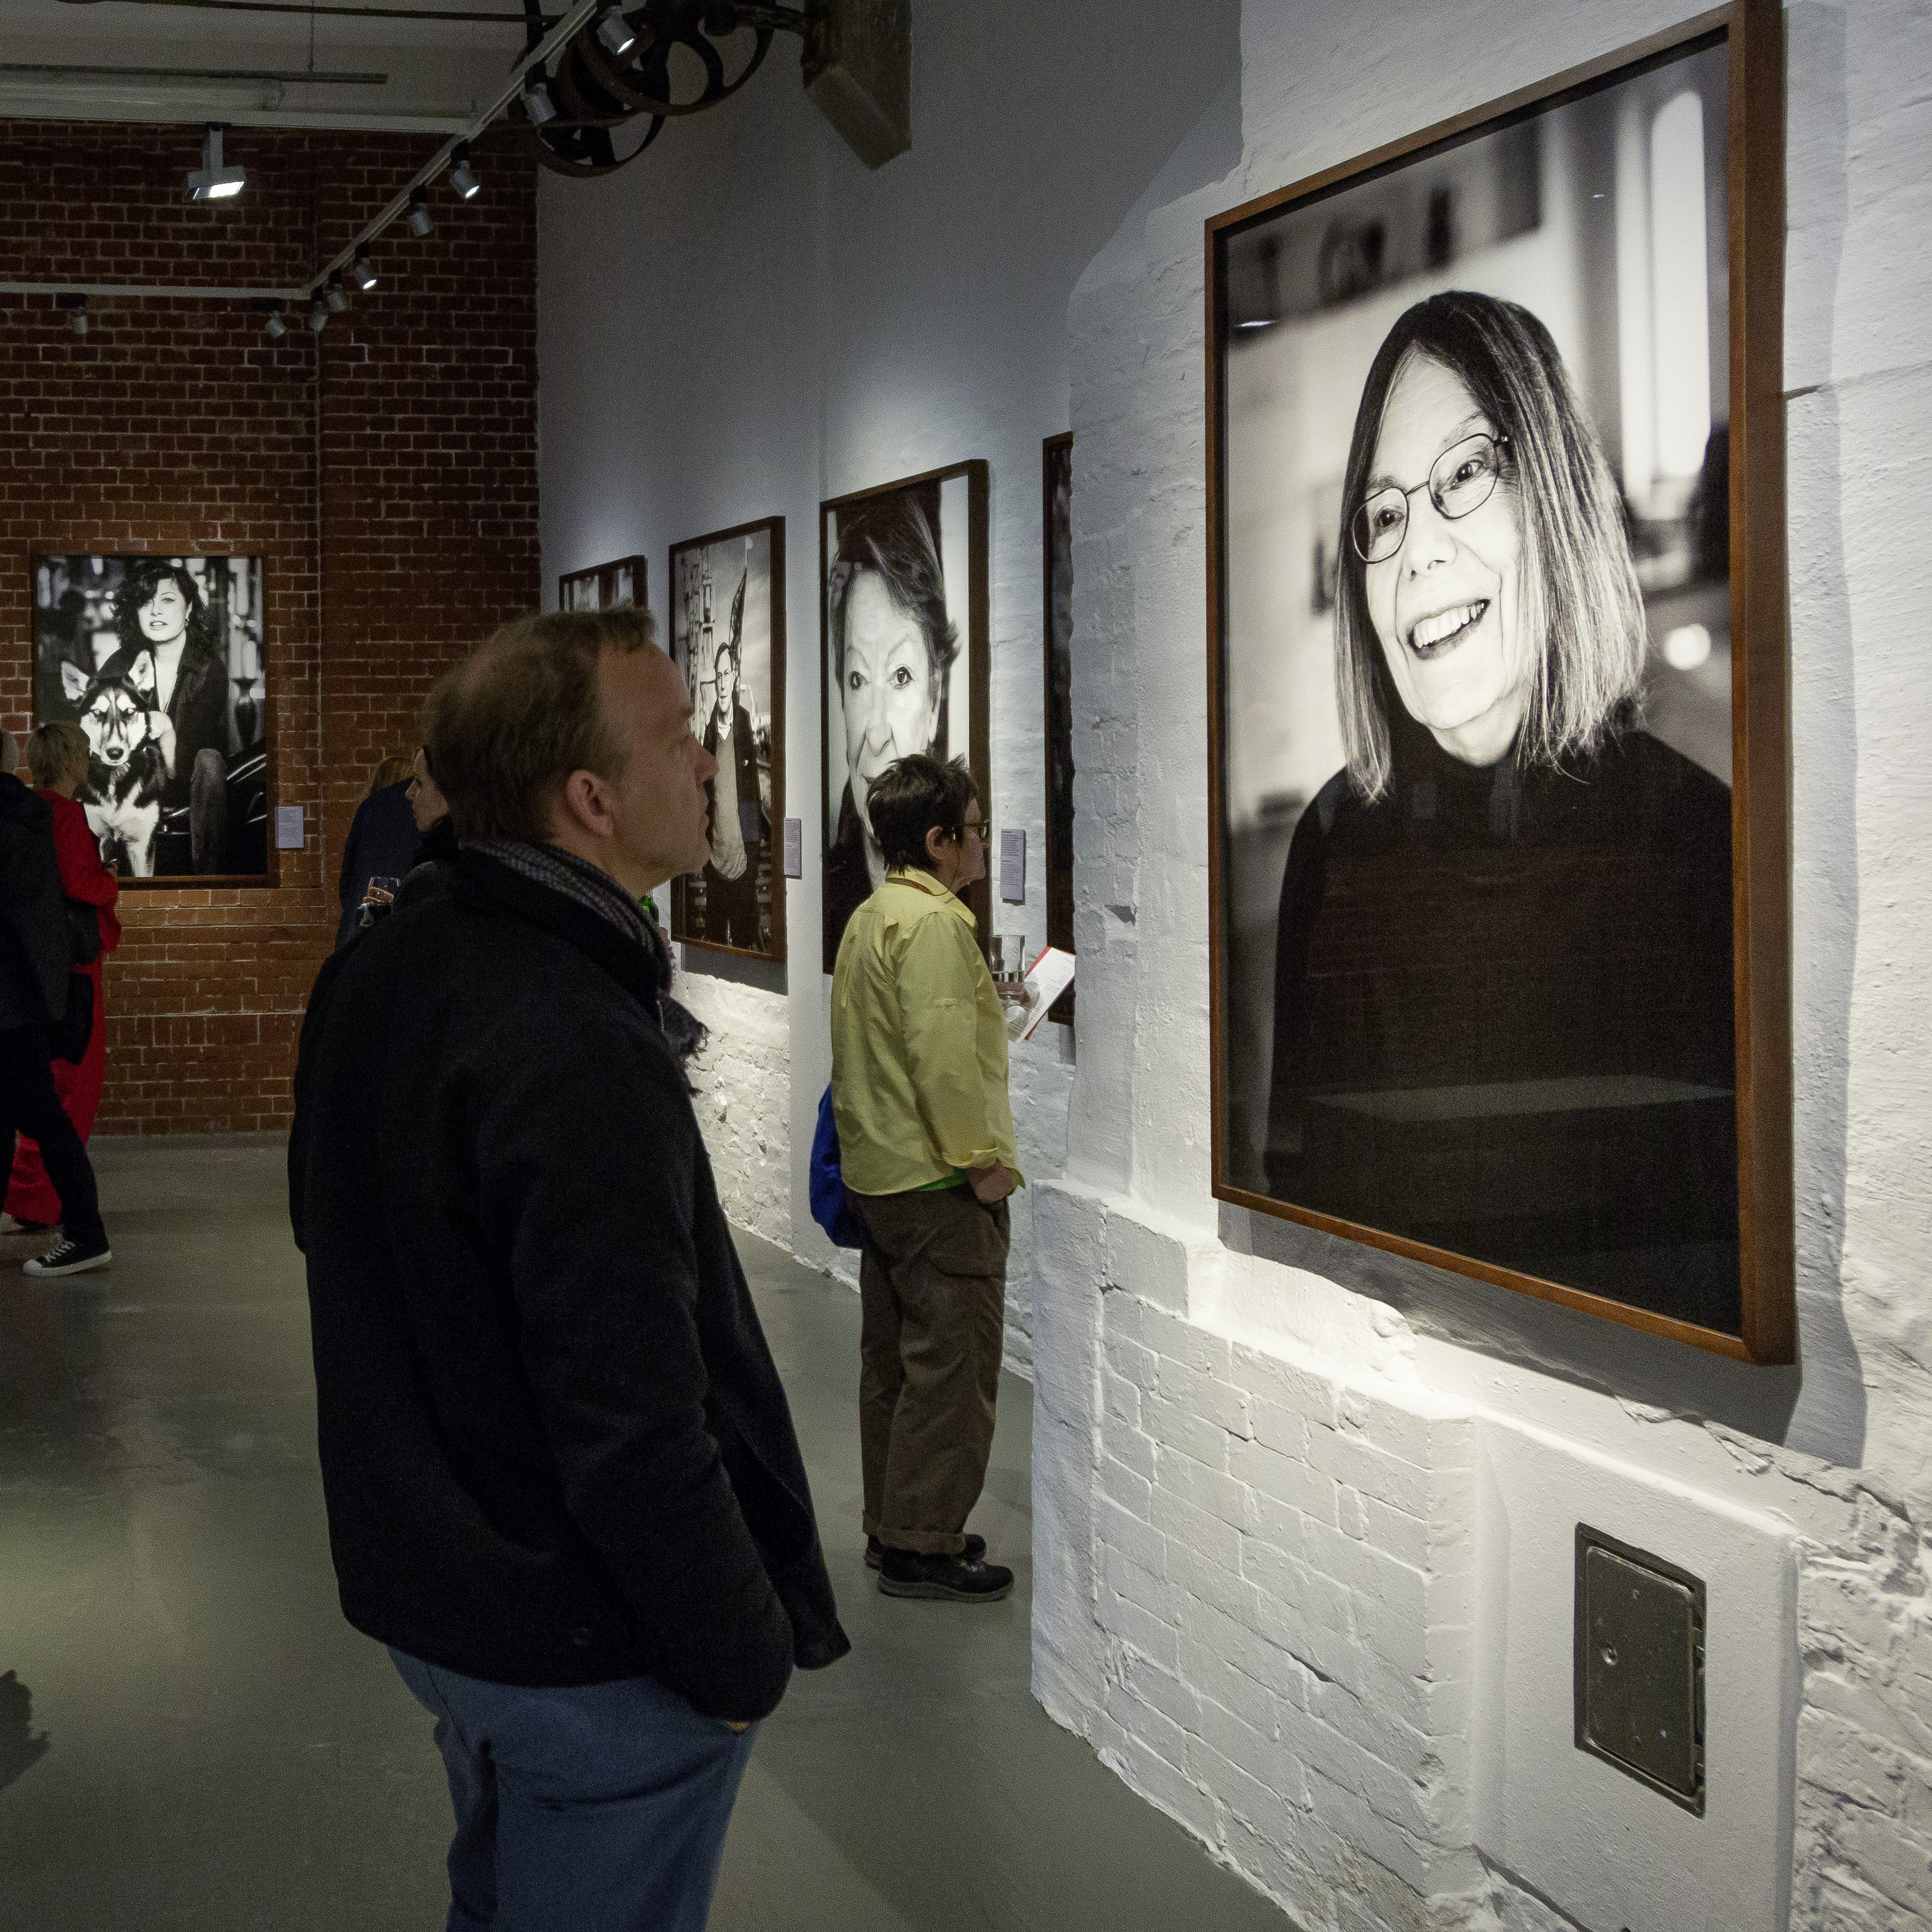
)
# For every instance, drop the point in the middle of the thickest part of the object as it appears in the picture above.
(1503, 1018)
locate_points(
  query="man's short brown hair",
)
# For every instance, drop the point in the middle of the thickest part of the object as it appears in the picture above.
(507, 726)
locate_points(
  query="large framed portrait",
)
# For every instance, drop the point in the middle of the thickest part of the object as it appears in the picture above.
(160, 661)
(623, 584)
(903, 608)
(1056, 496)
(727, 637)
(1498, 661)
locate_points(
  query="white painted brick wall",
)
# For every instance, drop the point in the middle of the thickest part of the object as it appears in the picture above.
(1273, 1674)
(1272, 1629)
(743, 1079)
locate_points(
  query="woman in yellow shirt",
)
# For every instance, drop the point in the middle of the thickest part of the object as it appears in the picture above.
(926, 1139)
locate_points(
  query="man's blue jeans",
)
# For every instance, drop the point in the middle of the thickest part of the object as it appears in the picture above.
(601, 1809)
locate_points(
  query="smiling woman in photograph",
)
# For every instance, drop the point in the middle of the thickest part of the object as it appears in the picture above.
(1503, 984)
(892, 645)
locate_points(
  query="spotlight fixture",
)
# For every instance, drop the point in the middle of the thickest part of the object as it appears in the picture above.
(364, 271)
(77, 306)
(616, 34)
(212, 181)
(462, 176)
(335, 295)
(275, 325)
(318, 314)
(419, 221)
(537, 103)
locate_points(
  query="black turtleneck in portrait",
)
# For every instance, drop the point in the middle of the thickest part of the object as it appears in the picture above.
(1504, 1018)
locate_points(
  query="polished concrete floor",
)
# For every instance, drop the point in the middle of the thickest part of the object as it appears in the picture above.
(190, 1736)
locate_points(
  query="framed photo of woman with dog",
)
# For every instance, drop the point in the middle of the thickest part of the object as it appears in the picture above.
(1500, 931)
(159, 661)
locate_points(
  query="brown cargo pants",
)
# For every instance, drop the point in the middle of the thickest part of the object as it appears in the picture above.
(932, 1288)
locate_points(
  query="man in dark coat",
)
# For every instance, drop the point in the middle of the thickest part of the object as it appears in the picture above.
(37, 958)
(562, 1483)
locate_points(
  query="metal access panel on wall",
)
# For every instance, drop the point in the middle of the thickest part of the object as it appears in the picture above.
(1639, 1666)
(1588, 1828)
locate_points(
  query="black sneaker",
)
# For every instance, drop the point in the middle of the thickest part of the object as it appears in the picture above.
(68, 1256)
(949, 1578)
(975, 1551)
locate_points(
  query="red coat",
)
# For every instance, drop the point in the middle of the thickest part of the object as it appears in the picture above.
(30, 1194)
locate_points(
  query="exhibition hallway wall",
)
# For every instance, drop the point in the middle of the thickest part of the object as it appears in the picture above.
(747, 323)
(385, 471)
(1305, 1512)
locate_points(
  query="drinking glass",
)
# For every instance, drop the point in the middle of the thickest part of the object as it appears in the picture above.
(380, 891)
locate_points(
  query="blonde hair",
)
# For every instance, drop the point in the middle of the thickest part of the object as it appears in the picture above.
(55, 749)
(518, 717)
(395, 769)
(1581, 600)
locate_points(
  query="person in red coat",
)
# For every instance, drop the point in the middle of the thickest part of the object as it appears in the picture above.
(58, 756)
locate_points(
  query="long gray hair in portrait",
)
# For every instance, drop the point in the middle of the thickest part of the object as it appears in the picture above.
(1579, 586)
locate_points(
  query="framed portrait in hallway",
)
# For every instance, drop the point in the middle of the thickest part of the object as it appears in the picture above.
(1497, 663)
(161, 662)
(624, 584)
(727, 634)
(903, 615)
(1056, 496)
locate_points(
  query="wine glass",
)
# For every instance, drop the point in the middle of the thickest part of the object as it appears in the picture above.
(381, 891)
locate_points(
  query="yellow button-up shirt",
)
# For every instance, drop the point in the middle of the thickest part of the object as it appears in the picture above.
(919, 1043)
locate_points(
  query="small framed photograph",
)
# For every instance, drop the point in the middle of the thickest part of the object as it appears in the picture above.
(624, 585)
(160, 661)
(727, 636)
(903, 605)
(1498, 660)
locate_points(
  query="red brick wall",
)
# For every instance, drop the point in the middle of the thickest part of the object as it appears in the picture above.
(386, 471)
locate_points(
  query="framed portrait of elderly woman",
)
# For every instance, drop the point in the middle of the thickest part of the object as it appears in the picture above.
(727, 637)
(902, 600)
(159, 661)
(1498, 663)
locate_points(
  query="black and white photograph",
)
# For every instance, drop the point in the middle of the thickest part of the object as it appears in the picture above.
(159, 661)
(1474, 914)
(903, 593)
(1057, 589)
(727, 637)
(622, 585)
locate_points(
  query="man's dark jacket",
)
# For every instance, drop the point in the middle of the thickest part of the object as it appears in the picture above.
(36, 947)
(554, 1446)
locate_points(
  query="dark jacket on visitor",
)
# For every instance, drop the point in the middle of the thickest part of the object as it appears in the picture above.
(36, 948)
(382, 844)
(554, 1447)
(433, 868)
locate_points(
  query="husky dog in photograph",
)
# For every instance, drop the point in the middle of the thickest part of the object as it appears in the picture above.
(129, 766)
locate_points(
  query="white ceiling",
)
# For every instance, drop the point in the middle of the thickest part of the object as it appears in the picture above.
(437, 70)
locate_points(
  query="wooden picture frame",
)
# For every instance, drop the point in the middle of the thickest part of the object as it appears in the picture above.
(154, 820)
(1349, 258)
(622, 584)
(1056, 547)
(710, 610)
(897, 513)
